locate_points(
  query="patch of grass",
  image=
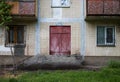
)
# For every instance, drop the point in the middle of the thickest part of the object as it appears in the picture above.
(4, 79)
(114, 64)
(104, 75)
(13, 80)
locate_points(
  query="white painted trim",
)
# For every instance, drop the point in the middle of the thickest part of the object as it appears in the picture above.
(105, 31)
(61, 20)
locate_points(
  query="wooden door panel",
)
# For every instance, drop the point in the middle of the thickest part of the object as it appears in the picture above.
(65, 43)
(60, 40)
(54, 44)
(55, 29)
(66, 30)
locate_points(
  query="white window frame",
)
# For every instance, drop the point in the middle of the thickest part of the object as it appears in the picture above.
(106, 43)
(105, 37)
(59, 3)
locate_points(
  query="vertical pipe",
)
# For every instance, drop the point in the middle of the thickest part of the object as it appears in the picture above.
(37, 30)
(83, 31)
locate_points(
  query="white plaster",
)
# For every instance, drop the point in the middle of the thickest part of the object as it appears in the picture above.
(57, 13)
(5, 49)
(61, 20)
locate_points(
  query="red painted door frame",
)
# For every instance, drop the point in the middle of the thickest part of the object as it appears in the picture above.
(60, 40)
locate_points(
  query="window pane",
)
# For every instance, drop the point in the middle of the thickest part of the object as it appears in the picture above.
(65, 2)
(100, 35)
(15, 34)
(109, 35)
(60, 3)
(11, 35)
(20, 35)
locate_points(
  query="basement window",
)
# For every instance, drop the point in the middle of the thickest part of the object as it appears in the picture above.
(14, 35)
(105, 35)
(60, 3)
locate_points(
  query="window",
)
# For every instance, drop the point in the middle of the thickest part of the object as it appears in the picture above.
(15, 35)
(105, 35)
(60, 3)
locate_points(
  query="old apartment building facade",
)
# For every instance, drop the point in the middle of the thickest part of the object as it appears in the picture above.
(64, 27)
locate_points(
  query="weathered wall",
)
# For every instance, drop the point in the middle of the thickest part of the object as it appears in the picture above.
(30, 39)
(45, 9)
(60, 17)
(83, 33)
(91, 40)
(100, 61)
(3, 50)
(8, 60)
(45, 36)
(75, 11)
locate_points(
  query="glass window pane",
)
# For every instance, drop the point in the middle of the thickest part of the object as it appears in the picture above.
(11, 35)
(109, 35)
(16, 34)
(20, 34)
(65, 3)
(100, 35)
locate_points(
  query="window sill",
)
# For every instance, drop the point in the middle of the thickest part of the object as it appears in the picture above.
(60, 6)
(106, 45)
(15, 45)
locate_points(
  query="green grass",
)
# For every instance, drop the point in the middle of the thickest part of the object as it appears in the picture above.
(114, 64)
(107, 74)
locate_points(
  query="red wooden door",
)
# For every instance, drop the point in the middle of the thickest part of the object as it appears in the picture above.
(60, 40)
